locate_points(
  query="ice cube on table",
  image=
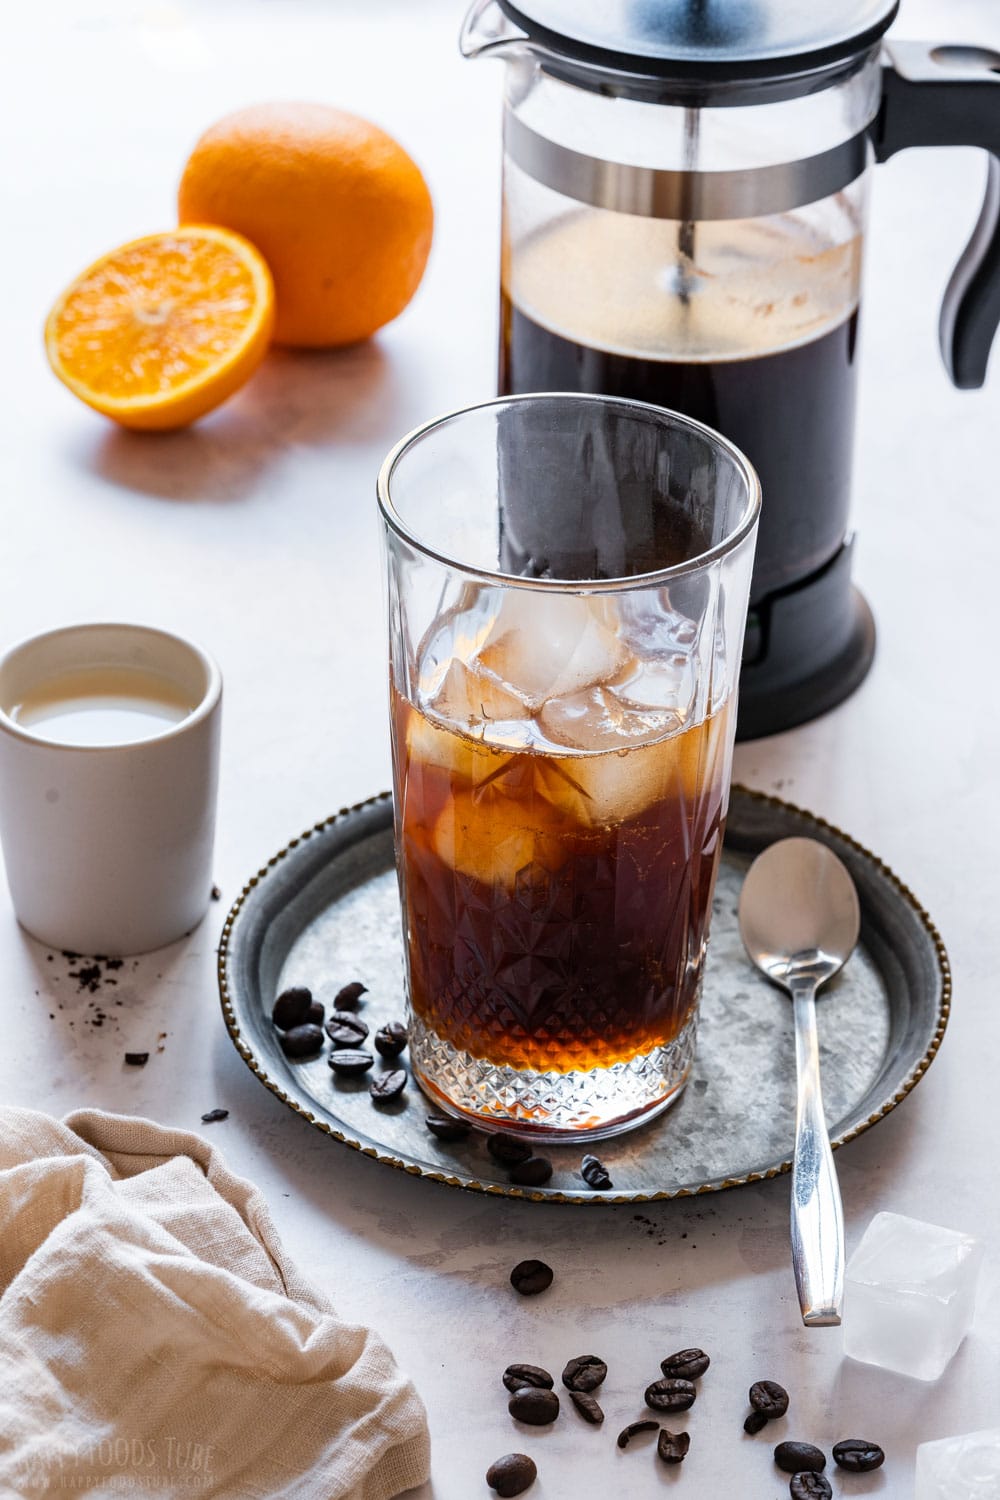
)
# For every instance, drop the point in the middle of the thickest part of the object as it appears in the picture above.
(960, 1468)
(910, 1294)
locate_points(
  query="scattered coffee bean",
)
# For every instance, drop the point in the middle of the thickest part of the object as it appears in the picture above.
(670, 1395)
(586, 1405)
(633, 1429)
(137, 1059)
(536, 1407)
(317, 1013)
(529, 1277)
(584, 1373)
(388, 1086)
(755, 1422)
(534, 1172)
(769, 1398)
(686, 1364)
(348, 997)
(508, 1150)
(390, 1040)
(345, 1030)
(512, 1474)
(516, 1377)
(292, 1007)
(211, 1115)
(857, 1455)
(810, 1486)
(672, 1447)
(445, 1128)
(302, 1041)
(350, 1061)
(794, 1457)
(216, 893)
(595, 1174)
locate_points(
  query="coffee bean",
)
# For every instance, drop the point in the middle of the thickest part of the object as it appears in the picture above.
(536, 1407)
(857, 1455)
(686, 1364)
(584, 1373)
(136, 1059)
(348, 997)
(633, 1429)
(769, 1398)
(301, 1041)
(587, 1406)
(445, 1128)
(388, 1085)
(211, 1115)
(755, 1422)
(810, 1486)
(292, 1007)
(350, 1061)
(531, 1173)
(512, 1474)
(595, 1174)
(317, 1013)
(508, 1150)
(670, 1395)
(794, 1457)
(390, 1040)
(529, 1277)
(345, 1030)
(516, 1377)
(672, 1447)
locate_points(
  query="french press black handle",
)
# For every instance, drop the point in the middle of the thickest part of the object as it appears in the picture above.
(944, 95)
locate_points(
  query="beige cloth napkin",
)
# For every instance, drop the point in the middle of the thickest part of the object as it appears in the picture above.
(154, 1338)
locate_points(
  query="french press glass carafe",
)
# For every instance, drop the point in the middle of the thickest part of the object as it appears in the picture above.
(684, 195)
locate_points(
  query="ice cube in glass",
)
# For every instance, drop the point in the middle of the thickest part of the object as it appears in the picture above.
(960, 1468)
(910, 1295)
(550, 647)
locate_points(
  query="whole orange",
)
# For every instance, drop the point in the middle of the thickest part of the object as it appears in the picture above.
(340, 212)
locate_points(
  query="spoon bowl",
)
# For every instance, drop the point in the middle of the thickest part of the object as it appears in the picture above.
(800, 919)
(799, 911)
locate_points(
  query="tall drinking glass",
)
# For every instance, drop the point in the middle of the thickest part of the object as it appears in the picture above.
(567, 580)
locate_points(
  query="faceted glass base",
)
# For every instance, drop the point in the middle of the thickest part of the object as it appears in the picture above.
(552, 1106)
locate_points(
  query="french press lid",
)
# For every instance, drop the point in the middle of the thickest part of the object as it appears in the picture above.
(709, 52)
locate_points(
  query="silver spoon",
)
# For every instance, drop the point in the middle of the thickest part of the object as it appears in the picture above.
(799, 919)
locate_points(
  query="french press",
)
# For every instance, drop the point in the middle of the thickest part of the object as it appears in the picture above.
(684, 198)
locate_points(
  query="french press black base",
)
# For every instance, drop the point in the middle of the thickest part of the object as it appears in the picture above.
(805, 651)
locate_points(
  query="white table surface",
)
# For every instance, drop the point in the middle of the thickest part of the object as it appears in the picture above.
(255, 532)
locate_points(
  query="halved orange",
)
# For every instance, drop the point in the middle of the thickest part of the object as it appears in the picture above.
(160, 331)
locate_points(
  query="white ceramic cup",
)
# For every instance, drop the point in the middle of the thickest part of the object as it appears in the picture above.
(108, 848)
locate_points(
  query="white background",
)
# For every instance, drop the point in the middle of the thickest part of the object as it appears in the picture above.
(255, 532)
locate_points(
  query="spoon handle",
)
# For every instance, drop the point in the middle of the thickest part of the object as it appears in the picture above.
(817, 1213)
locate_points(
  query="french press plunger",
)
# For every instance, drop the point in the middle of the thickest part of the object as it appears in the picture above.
(684, 195)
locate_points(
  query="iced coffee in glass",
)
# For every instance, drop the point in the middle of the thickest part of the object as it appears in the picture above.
(567, 583)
